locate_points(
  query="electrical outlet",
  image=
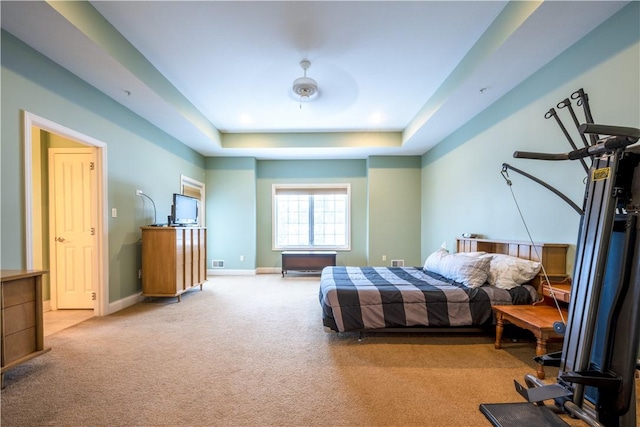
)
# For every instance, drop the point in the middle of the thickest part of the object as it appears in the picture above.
(138, 193)
(242, 258)
(384, 257)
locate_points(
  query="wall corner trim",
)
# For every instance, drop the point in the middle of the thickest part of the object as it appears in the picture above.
(124, 303)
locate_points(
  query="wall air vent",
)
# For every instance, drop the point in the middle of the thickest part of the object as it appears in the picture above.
(397, 263)
(217, 263)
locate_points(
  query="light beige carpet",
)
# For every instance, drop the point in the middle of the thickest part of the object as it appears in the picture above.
(251, 351)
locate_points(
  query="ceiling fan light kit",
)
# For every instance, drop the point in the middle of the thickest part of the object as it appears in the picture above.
(305, 87)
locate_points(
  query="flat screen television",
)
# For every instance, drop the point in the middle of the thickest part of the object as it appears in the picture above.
(184, 210)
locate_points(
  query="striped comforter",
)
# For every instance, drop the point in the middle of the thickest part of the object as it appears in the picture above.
(361, 298)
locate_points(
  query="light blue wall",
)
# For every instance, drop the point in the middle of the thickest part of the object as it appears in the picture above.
(385, 207)
(394, 210)
(352, 172)
(462, 188)
(231, 211)
(139, 156)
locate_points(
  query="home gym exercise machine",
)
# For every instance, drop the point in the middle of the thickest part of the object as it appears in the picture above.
(599, 357)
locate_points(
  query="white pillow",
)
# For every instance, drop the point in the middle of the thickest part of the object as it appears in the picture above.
(474, 254)
(470, 271)
(507, 271)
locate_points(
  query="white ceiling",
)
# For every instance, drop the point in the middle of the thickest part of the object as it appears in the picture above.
(202, 70)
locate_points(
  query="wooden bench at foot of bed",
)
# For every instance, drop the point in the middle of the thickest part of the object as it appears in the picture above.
(307, 260)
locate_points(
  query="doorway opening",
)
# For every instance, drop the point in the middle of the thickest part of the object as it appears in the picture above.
(194, 188)
(38, 134)
(57, 320)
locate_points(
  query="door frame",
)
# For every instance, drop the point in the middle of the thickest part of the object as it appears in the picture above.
(185, 181)
(30, 120)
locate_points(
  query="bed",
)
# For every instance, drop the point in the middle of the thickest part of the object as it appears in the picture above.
(450, 291)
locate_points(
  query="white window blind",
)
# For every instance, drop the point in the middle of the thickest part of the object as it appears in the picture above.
(311, 216)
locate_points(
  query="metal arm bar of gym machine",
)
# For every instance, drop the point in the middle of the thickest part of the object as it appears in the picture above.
(555, 191)
(620, 137)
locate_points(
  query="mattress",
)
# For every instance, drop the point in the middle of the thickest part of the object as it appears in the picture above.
(362, 298)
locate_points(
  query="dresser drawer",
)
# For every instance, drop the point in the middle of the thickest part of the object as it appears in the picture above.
(561, 291)
(18, 292)
(19, 317)
(19, 345)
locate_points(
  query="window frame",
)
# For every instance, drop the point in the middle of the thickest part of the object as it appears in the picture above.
(310, 188)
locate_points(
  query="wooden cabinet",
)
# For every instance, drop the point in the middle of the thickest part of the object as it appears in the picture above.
(21, 317)
(174, 260)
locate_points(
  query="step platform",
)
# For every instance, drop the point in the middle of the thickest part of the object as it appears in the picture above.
(520, 414)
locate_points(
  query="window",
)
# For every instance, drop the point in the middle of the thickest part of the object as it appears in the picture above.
(311, 216)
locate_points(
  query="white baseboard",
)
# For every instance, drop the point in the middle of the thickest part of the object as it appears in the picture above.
(269, 270)
(113, 306)
(124, 303)
(227, 272)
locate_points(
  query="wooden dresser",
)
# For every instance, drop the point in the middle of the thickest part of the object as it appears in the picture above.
(21, 317)
(174, 260)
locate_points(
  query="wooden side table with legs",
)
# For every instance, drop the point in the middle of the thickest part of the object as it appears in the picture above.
(538, 319)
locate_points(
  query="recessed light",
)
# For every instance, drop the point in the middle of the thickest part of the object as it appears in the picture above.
(376, 117)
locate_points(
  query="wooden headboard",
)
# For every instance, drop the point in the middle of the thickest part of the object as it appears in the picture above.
(553, 256)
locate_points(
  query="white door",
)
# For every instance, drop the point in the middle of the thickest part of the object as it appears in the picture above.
(72, 181)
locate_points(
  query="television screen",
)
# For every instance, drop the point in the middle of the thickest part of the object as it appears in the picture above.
(185, 210)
